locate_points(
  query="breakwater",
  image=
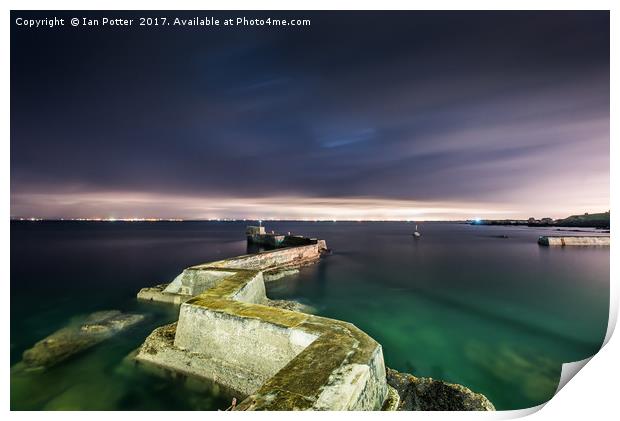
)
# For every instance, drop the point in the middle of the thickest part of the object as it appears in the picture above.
(574, 241)
(275, 358)
(197, 279)
(278, 359)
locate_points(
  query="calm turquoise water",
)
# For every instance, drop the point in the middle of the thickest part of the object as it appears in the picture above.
(499, 315)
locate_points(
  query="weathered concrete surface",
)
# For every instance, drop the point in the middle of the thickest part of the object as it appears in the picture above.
(195, 279)
(159, 351)
(284, 360)
(426, 394)
(272, 259)
(574, 240)
(156, 293)
(159, 346)
(76, 338)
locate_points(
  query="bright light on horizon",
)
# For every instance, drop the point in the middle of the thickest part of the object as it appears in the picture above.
(127, 205)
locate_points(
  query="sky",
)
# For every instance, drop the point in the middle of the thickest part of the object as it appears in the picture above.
(361, 115)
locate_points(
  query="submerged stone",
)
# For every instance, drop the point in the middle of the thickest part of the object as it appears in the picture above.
(291, 305)
(426, 394)
(76, 338)
(274, 275)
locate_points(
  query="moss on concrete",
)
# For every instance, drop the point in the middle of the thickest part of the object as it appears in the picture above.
(277, 316)
(309, 371)
(299, 384)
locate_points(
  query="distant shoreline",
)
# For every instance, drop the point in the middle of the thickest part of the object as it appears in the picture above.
(586, 220)
(250, 221)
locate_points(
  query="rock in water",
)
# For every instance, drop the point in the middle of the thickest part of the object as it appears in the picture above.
(426, 394)
(291, 305)
(73, 339)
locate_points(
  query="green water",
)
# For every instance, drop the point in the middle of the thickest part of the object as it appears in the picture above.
(499, 315)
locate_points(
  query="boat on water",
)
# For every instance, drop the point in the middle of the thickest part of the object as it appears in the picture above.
(416, 234)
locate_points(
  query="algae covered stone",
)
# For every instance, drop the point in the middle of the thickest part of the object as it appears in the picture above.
(426, 394)
(78, 337)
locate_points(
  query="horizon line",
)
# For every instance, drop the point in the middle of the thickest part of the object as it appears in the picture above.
(34, 219)
(37, 219)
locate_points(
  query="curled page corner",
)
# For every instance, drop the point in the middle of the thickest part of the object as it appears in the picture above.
(568, 372)
(613, 312)
(518, 413)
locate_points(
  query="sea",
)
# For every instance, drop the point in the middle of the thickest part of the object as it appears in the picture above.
(481, 306)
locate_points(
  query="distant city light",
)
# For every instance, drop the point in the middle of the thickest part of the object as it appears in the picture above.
(266, 209)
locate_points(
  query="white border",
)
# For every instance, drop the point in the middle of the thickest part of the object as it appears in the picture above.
(592, 394)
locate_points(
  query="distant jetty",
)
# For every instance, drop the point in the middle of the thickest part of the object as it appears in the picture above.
(574, 240)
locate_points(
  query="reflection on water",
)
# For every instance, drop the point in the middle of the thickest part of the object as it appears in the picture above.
(529, 373)
(482, 306)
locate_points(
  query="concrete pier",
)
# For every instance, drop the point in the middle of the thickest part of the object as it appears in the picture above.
(574, 241)
(298, 252)
(277, 359)
(273, 358)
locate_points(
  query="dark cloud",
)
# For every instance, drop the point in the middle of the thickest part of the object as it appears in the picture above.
(419, 106)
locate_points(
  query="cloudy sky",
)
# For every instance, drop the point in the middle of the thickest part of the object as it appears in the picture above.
(365, 115)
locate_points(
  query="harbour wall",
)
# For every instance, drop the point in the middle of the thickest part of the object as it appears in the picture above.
(280, 358)
(195, 279)
(277, 359)
(574, 241)
(273, 258)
